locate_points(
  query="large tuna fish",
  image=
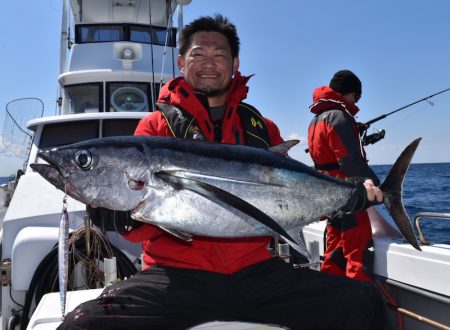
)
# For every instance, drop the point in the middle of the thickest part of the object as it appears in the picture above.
(189, 187)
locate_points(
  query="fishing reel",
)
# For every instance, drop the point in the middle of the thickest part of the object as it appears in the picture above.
(372, 138)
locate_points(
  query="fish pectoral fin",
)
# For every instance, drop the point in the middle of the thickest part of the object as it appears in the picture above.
(216, 194)
(283, 148)
(178, 233)
(200, 176)
(299, 244)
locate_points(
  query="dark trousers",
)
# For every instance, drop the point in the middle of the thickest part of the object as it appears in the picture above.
(271, 292)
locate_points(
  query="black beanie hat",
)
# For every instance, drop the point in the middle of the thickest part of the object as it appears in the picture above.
(345, 81)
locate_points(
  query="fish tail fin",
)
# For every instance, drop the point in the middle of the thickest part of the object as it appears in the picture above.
(392, 190)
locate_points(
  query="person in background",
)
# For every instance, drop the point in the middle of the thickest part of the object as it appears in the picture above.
(335, 147)
(183, 284)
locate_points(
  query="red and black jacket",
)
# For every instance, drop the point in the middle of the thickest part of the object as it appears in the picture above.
(222, 255)
(333, 137)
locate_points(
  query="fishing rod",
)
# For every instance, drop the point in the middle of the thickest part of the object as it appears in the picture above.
(375, 137)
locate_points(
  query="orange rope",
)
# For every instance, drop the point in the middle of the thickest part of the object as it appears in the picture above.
(392, 303)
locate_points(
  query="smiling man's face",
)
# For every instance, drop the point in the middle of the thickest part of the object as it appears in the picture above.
(208, 65)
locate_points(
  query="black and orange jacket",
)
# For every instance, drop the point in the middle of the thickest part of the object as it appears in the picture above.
(221, 255)
(333, 137)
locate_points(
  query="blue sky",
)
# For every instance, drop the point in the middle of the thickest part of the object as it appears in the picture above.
(399, 49)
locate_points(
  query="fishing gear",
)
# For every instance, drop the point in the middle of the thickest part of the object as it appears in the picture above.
(372, 138)
(63, 256)
(379, 135)
(46, 278)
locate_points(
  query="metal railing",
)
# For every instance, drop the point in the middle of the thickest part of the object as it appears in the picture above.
(429, 215)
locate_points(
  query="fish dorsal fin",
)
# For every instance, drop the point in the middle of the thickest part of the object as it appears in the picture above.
(283, 148)
(215, 193)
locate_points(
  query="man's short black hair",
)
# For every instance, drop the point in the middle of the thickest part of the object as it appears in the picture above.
(218, 23)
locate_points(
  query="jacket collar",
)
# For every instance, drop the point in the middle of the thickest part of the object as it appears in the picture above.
(176, 90)
(326, 99)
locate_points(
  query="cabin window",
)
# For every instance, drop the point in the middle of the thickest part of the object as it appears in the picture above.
(59, 134)
(84, 98)
(90, 33)
(142, 33)
(99, 33)
(126, 96)
(119, 127)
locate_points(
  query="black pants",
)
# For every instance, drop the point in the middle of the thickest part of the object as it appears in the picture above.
(271, 292)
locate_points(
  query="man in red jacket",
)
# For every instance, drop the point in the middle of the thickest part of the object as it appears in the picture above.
(336, 149)
(184, 284)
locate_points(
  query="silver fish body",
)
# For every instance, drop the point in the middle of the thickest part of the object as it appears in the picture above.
(276, 192)
(199, 188)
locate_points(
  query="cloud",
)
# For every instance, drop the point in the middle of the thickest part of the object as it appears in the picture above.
(11, 148)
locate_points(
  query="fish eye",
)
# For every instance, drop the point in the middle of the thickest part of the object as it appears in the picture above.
(83, 159)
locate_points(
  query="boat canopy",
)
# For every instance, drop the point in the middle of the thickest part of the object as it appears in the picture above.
(137, 11)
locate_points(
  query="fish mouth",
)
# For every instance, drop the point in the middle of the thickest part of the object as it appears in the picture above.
(45, 155)
(50, 171)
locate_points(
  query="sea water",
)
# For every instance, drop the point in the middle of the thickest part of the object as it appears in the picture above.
(426, 188)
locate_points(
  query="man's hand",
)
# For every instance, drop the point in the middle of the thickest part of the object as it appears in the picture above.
(373, 192)
(363, 196)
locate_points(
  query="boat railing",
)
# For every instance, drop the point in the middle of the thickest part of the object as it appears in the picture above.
(429, 215)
